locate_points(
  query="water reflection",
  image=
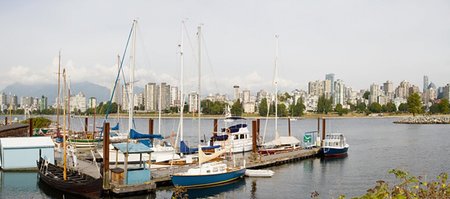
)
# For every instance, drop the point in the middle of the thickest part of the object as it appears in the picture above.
(217, 190)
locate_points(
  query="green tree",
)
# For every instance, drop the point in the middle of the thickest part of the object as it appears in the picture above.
(403, 107)
(282, 111)
(414, 104)
(361, 107)
(340, 110)
(298, 108)
(263, 107)
(366, 95)
(324, 105)
(444, 106)
(237, 109)
(375, 107)
(390, 107)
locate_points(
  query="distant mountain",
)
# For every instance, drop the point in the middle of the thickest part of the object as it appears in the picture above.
(50, 90)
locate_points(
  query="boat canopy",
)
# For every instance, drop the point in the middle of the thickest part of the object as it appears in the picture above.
(132, 148)
(136, 135)
(283, 141)
(235, 128)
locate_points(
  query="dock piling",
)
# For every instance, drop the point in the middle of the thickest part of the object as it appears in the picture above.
(289, 126)
(106, 156)
(150, 128)
(85, 125)
(254, 129)
(6, 120)
(323, 129)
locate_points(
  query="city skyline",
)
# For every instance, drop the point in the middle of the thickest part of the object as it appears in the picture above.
(361, 42)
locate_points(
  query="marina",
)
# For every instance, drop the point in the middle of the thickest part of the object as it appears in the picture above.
(371, 151)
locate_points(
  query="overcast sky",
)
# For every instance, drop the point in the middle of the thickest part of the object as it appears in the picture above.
(361, 41)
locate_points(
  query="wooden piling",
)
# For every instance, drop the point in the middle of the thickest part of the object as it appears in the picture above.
(106, 156)
(85, 125)
(215, 126)
(254, 128)
(150, 128)
(318, 126)
(6, 120)
(30, 130)
(323, 129)
(289, 126)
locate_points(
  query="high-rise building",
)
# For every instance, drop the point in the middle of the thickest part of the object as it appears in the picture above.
(446, 92)
(375, 92)
(193, 101)
(150, 97)
(425, 83)
(402, 91)
(236, 92)
(26, 102)
(388, 90)
(330, 77)
(43, 103)
(174, 97)
(78, 102)
(339, 97)
(92, 102)
(327, 86)
(164, 90)
(245, 96)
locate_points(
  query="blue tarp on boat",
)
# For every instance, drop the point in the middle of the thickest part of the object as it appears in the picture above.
(185, 149)
(132, 148)
(136, 135)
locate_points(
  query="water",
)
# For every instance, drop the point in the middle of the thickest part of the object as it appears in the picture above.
(376, 145)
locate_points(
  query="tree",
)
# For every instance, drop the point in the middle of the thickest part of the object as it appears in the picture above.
(390, 107)
(282, 111)
(340, 110)
(360, 107)
(263, 107)
(444, 106)
(403, 107)
(298, 108)
(324, 105)
(414, 104)
(366, 95)
(375, 107)
(237, 109)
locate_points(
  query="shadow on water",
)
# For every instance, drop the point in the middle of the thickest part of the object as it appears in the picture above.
(53, 193)
(336, 159)
(216, 190)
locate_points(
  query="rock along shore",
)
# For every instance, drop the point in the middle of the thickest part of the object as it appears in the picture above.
(424, 120)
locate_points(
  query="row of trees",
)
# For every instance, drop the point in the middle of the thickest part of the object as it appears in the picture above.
(295, 110)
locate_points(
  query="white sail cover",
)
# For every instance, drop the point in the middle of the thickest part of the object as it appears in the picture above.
(283, 141)
(202, 157)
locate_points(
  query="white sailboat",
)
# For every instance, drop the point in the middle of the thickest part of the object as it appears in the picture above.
(280, 143)
(207, 173)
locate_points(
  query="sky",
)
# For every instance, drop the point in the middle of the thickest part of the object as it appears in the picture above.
(361, 41)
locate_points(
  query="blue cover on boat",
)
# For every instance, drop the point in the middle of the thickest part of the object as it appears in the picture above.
(185, 149)
(146, 143)
(220, 137)
(235, 128)
(136, 135)
(116, 127)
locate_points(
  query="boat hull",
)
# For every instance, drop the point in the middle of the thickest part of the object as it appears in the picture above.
(334, 152)
(199, 181)
(76, 184)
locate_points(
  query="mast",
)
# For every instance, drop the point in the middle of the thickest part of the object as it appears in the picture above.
(118, 94)
(159, 108)
(64, 129)
(199, 37)
(181, 82)
(276, 87)
(58, 97)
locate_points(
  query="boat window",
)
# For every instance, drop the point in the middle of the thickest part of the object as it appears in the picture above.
(242, 136)
(236, 137)
(208, 171)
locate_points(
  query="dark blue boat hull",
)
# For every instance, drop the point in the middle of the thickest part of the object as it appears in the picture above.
(198, 181)
(334, 152)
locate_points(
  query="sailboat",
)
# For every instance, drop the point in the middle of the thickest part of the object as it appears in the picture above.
(280, 143)
(64, 179)
(207, 173)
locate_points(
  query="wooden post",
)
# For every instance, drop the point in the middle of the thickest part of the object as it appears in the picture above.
(318, 126)
(254, 125)
(106, 156)
(6, 120)
(289, 126)
(30, 130)
(85, 125)
(150, 128)
(258, 124)
(323, 129)
(215, 126)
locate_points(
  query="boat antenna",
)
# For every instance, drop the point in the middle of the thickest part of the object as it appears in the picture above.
(199, 36)
(58, 97)
(275, 82)
(64, 129)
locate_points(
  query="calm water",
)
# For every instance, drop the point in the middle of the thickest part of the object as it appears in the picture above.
(376, 145)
